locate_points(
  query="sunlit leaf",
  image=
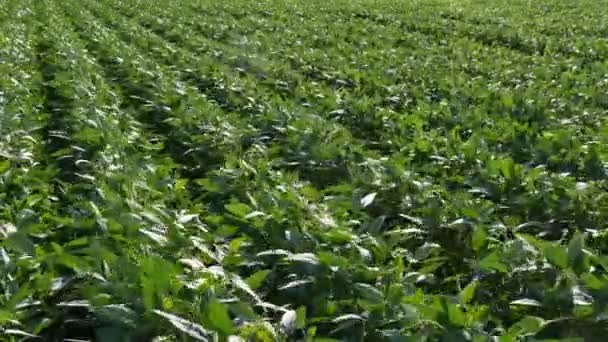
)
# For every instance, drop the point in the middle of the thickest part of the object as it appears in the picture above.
(193, 330)
(368, 199)
(468, 293)
(526, 302)
(289, 321)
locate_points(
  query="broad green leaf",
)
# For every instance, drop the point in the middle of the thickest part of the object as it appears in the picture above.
(219, 317)
(308, 258)
(193, 330)
(527, 326)
(339, 236)
(456, 316)
(301, 317)
(257, 279)
(152, 217)
(4, 165)
(478, 239)
(331, 259)
(577, 259)
(238, 209)
(241, 284)
(21, 242)
(468, 293)
(556, 255)
(493, 262)
(369, 292)
(345, 324)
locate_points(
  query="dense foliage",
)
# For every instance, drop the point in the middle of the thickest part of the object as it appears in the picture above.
(303, 170)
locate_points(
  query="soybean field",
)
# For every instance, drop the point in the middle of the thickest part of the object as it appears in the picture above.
(290, 170)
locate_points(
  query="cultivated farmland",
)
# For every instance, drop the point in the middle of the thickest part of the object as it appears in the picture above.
(429, 170)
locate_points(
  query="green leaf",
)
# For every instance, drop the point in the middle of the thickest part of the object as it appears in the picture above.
(528, 326)
(369, 292)
(493, 262)
(339, 236)
(193, 330)
(577, 258)
(507, 101)
(307, 258)
(238, 209)
(467, 294)
(526, 302)
(4, 165)
(478, 238)
(331, 259)
(374, 226)
(152, 217)
(594, 282)
(301, 317)
(21, 242)
(295, 283)
(219, 317)
(580, 297)
(556, 255)
(348, 317)
(273, 252)
(345, 322)
(257, 279)
(17, 332)
(254, 214)
(155, 280)
(455, 315)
